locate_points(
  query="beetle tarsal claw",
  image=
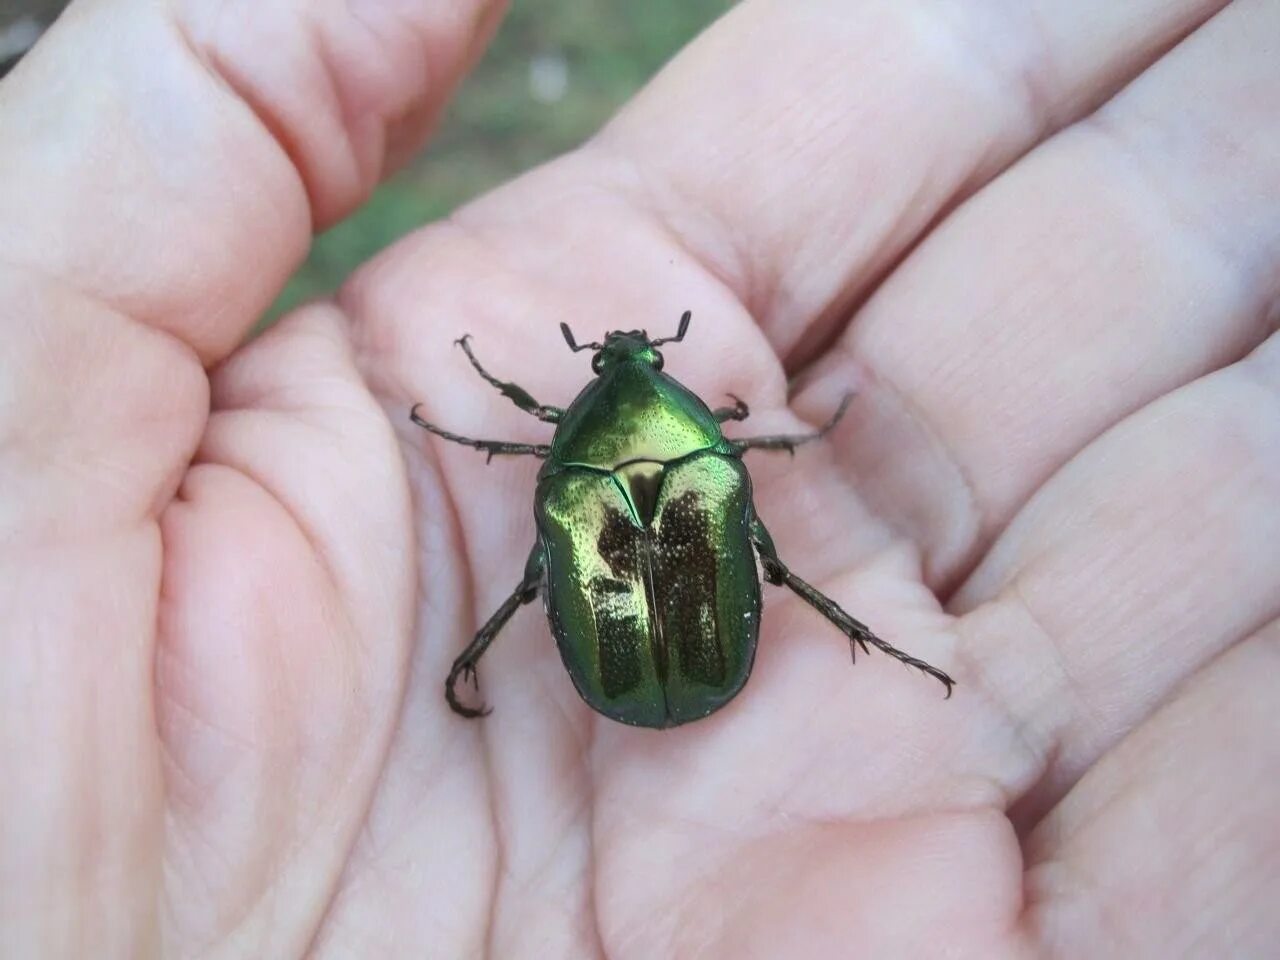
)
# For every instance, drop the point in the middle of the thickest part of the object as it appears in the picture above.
(932, 671)
(467, 671)
(944, 679)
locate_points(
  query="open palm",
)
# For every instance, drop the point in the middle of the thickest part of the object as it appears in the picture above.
(1039, 242)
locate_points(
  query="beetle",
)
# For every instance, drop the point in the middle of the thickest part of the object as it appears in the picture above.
(647, 541)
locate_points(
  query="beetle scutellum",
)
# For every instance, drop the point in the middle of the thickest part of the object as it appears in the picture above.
(647, 541)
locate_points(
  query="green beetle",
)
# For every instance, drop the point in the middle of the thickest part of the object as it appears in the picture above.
(647, 541)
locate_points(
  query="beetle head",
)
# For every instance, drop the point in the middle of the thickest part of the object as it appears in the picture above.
(626, 346)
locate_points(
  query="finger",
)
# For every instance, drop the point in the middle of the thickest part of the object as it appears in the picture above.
(1144, 558)
(178, 180)
(1168, 847)
(1123, 258)
(799, 149)
(284, 628)
(155, 192)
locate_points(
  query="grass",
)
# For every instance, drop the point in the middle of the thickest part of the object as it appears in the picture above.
(598, 51)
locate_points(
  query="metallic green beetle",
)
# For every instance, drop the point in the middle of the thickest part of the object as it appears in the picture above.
(647, 541)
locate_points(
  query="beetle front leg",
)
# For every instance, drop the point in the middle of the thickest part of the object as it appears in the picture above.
(789, 442)
(513, 392)
(490, 447)
(739, 410)
(465, 665)
(776, 572)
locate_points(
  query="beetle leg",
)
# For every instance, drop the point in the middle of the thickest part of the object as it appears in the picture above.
(490, 447)
(776, 572)
(516, 394)
(789, 442)
(739, 410)
(465, 665)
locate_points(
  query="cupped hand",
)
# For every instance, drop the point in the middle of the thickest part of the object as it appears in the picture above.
(1039, 241)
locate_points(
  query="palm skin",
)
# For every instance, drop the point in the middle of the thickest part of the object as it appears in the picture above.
(234, 598)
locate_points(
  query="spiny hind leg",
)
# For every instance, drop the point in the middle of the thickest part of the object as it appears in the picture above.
(776, 572)
(465, 666)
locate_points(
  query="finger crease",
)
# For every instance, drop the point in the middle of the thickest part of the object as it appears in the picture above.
(968, 507)
(210, 63)
(1251, 273)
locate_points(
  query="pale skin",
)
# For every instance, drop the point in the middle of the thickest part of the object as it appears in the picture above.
(1040, 241)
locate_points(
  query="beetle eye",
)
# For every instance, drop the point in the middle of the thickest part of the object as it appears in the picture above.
(657, 360)
(597, 364)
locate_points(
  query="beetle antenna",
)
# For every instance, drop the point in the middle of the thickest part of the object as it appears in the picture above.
(573, 344)
(680, 332)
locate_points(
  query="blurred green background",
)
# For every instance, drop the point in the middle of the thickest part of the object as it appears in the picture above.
(555, 72)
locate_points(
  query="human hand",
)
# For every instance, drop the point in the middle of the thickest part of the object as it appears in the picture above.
(235, 576)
